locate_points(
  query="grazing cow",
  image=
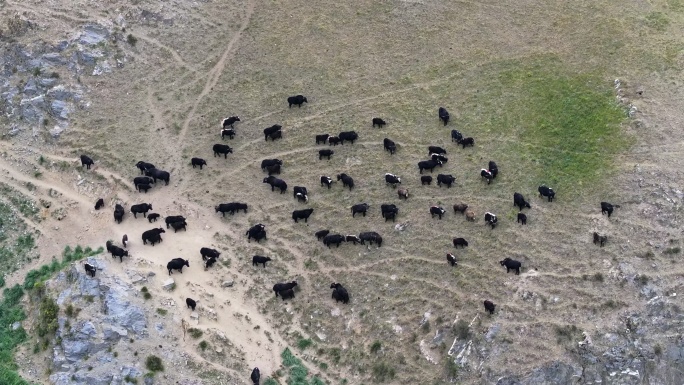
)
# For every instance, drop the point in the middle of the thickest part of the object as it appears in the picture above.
(280, 287)
(222, 149)
(352, 238)
(99, 204)
(144, 166)
(546, 192)
(460, 208)
(141, 208)
(142, 180)
(601, 239)
(229, 132)
(436, 150)
(124, 240)
(486, 174)
(403, 193)
(467, 142)
(490, 219)
(326, 181)
(391, 215)
(275, 135)
(388, 208)
(297, 99)
(270, 162)
(179, 225)
(493, 168)
(346, 180)
(230, 208)
(255, 377)
(428, 165)
(257, 259)
(158, 174)
(379, 122)
(519, 200)
(198, 162)
(443, 115)
(258, 232)
(334, 141)
(371, 237)
(275, 182)
(446, 179)
(270, 130)
(109, 245)
(302, 214)
(439, 158)
(470, 215)
(451, 259)
(426, 180)
(522, 218)
(436, 210)
(209, 263)
(350, 136)
(153, 236)
(143, 187)
(118, 213)
(118, 252)
(152, 217)
(456, 136)
(392, 179)
(173, 218)
(322, 138)
(86, 161)
(177, 264)
(207, 253)
(300, 193)
(335, 239)
(608, 208)
(389, 145)
(287, 294)
(340, 293)
(321, 233)
(273, 169)
(489, 306)
(325, 153)
(229, 121)
(191, 303)
(511, 264)
(460, 242)
(90, 269)
(360, 208)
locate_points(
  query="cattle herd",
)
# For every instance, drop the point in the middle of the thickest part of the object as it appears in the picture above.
(437, 158)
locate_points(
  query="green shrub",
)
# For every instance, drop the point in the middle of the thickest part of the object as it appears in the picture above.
(47, 317)
(154, 364)
(132, 40)
(195, 333)
(161, 311)
(383, 372)
(203, 345)
(304, 343)
(462, 329)
(375, 347)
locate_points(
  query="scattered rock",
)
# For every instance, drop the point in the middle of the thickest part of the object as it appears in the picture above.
(169, 284)
(228, 283)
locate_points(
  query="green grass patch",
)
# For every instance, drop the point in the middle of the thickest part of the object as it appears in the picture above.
(298, 374)
(304, 343)
(154, 364)
(37, 276)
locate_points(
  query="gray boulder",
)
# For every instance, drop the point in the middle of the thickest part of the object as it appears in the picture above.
(120, 311)
(93, 34)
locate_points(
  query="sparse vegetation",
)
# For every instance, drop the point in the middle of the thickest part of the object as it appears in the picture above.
(154, 364)
(304, 343)
(672, 250)
(37, 276)
(462, 329)
(375, 347)
(568, 333)
(195, 333)
(383, 372)
(203, 345)
(132, 40)
(162, 312)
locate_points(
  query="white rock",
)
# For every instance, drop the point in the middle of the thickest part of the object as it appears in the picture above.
(168, 284)
(194, 315)
(228, 283)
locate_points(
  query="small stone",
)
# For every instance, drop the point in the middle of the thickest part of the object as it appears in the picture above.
(228, 283)
(194, 315)
(137, 279)
(169, 284)
(16, 325)
(151, 274)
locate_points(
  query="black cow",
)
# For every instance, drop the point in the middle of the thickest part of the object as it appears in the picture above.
(144, 166)
(439, 158)
(352, 238)
(486, 175)
(601, 239)
(425, 179)
(546, 192)
(350, 136)
(270, 130)
(229, 132)
(447, 179)
(302, 214)
(436, 150)
(118, 213)
(519, 200)
(153, 235)
(179, 225)
(460, 242)
(287, 294)
(428, 165)
(273, 169)
(118, 252)
(340, 293)
(321, 233)
(389, 145)
(436, 210)
(256, 232)
(392, 179)
(229, 121)
(198, 162)
(360, 208)
(467, 142)
(86, 161)
(99, 204)
(493, 168)
(173, 218)
(608, 208)
(387, 209)
(326, 181)
(280, 287)
(275, 182)
(390, 215)
(451, 259)
(489, 306)
(141, 208)
(371, 237)
(143, 187)
(379, 122)
(256, 376)
(490, 219)
(456, 136)
(443, 115)
(152, 217)
(90, 269)
(460, 207)
(270, 162)
(275, 135)
(511, 264)
(231, 208)
(325, 153)
(300, 193)
(177, 264)
(322, 138)
(346, 180)
(334, 141)
(109, 245)
(522, 218)
(158, 174)
(220, 149)
(257, 259)
(209, 263)
(142, 180)
(333, 239)
(298, 100)
(207, 253)
(191, 303)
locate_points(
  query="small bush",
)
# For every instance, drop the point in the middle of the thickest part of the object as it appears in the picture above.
(598, 277)
(425, 327)
(672, 250)
(568, 332)
(375, 347)
(203, 345)
(304, 343)
(132, 40)
(70, 311)
(154, 364)
(195, 333)
(162, 312)
(658, 350)
(462, 329)
(642, 279)
(450, 368)
(47, 317)
(147, 295)
(131, 380)
(383, 372)
(144, 289)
